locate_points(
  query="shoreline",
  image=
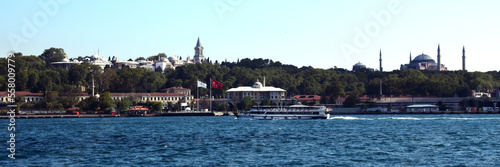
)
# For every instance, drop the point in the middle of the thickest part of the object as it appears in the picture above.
(209, 114)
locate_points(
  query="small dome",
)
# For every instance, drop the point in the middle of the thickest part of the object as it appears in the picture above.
(257, 84)
(95, 56)
(359, 65)
(173, 58)
(164, 59)
(65, 60)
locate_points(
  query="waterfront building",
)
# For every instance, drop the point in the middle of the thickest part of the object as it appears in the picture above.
(178, 90)
(425, 62)
(422, 108)
(27, 97)
(258, 92)
(308, 99)
(164, 98)
(138, 111)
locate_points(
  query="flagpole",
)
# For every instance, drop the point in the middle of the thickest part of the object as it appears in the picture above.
(210, 95)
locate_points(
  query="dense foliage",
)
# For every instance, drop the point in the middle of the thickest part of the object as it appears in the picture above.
(33, 74)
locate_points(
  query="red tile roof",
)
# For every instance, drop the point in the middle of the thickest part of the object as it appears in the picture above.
(21, 93)
(307, 97)
(147, 94)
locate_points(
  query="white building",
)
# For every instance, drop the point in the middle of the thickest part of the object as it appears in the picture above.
(96, 60)
(258, 92)
(65, 63)
(164, 64)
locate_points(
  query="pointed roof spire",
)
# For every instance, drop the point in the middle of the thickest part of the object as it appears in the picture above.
(198, 44)
(463, 49)
(410, 56)
(438, 48)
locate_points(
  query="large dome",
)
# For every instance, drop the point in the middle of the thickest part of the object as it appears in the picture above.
(359, 65)
(423, 58)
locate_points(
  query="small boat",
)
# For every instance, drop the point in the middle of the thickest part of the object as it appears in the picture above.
(297, 111)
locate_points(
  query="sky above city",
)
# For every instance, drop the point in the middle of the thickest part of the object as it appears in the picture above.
(318, 33)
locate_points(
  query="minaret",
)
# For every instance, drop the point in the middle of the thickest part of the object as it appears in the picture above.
(381, 69)
(264, 84)
(410, 58)
(198, 52)
(463, 58)
(439, 59)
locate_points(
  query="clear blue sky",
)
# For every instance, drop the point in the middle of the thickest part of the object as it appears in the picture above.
(303, 33)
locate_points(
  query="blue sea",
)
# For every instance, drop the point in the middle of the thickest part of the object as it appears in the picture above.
(356, 140)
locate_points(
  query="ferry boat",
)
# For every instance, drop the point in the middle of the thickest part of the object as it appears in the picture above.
(297, 111)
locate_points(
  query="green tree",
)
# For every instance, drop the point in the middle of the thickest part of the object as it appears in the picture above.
(106, 102)
(89, 104)
(155, 106)
(140, 58)
(351, 101)
(124, 104)
(52, 55)
(246, 103)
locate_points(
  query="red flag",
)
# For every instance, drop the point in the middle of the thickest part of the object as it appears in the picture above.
(216, 84)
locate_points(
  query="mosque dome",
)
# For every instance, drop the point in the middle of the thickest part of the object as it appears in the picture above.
(65, 60)
(361, 65)
(423, 58)
(173, 58)
(257, 84)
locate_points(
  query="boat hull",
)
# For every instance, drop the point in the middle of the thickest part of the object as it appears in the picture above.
(280, 116)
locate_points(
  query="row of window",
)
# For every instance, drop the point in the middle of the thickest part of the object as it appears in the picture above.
(260, 97)
(25, 99)
(157, 98)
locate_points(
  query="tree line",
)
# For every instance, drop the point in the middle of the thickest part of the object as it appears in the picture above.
(35, 74)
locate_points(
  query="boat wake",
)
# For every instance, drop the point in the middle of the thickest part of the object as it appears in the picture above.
(410, 118)
(350, 118)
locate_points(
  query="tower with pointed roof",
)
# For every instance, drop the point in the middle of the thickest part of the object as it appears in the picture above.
(439, 59)
(198, 52)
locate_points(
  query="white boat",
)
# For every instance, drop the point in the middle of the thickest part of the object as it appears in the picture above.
(298, 111)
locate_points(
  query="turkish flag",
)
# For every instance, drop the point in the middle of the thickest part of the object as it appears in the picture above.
(216, 84)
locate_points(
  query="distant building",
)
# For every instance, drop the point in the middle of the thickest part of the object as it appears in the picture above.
(425, 62)
(125, 64)
(178, 90)
(65, 63)
(359, 66)
(198, 52)
(27, 97)
(422, 108)
(97, 60)
(305, 99)
(164, 98)
(258, 92)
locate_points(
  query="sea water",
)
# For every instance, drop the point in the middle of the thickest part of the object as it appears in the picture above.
(357, 140)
